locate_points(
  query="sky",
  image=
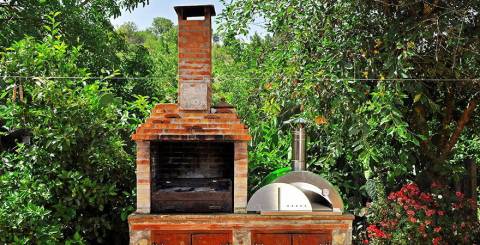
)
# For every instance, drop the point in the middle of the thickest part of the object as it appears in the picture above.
(143, 16)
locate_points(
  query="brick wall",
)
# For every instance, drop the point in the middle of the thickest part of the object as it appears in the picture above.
(240, 177)
(143, 177)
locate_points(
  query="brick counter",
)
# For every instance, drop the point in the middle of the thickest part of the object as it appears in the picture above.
(239, 229)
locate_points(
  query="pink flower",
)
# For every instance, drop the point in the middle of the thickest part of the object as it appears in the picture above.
(410, 212)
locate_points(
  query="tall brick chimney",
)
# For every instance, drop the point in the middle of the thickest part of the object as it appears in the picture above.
(195, 57)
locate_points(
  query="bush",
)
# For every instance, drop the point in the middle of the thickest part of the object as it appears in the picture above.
(410, 215)
(73, 182)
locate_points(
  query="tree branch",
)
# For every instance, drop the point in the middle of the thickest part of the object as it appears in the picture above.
(448, 114)
(464, 119)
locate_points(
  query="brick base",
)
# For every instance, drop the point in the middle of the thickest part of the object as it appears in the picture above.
(241, 225)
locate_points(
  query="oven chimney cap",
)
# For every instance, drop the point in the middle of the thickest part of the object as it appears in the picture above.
(195, 10)
(296, 121)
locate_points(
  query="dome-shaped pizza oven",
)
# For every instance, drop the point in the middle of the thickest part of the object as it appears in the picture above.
(299, 190)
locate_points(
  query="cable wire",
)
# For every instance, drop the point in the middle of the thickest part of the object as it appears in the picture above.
(325, 79)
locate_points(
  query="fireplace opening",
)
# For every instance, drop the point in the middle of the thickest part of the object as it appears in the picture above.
(192, 176)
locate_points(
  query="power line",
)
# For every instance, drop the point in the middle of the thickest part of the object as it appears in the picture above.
(324, 79)
(80, 78)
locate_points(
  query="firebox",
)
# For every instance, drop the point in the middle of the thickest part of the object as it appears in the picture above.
(192, 176)
(191, 161)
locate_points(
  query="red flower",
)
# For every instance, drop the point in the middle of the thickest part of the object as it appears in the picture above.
(410, 212)
(430, 212)
(392, 196)
(441, 213)
(426, 197)
(412, 219)
(374, 231)
(365, 241)
(459, 194)
(436, 240)
(437, 229)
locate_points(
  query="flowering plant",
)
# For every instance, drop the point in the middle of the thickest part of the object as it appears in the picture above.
(410, 216)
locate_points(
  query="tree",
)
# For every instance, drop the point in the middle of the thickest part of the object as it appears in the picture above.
(161, 50)
(160, 25)
(340, 62)
(129, 31)
(83, 23)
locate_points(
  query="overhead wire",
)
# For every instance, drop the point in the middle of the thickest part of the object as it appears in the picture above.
(325, 79)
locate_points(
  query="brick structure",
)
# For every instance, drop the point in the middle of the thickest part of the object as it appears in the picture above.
(193, 139)
(243, 229)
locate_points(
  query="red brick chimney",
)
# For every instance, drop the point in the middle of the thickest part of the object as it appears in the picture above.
(195, 57)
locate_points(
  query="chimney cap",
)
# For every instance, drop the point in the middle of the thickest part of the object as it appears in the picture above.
(195, 10)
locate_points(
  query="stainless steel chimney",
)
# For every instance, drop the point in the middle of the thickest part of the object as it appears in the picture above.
(298, 148)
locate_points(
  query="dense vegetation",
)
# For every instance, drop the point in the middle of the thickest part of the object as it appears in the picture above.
(388, 88)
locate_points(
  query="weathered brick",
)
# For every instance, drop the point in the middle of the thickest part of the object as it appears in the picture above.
(143, 161)
(193, 55)
(240, 177)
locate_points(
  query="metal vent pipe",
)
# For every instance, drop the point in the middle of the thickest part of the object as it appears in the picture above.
(298, 148)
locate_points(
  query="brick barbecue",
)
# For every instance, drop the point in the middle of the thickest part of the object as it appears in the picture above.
(192, 165)
(192, 157)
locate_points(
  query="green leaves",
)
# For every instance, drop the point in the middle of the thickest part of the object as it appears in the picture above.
(272, 176)
(309, 64)
(68, 185)
(106, 100)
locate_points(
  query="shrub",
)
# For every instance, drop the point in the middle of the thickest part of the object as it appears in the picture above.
(73, 182)
(410, 215)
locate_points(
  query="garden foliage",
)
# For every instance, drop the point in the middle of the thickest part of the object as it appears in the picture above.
(334, 63)
(73, 182)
